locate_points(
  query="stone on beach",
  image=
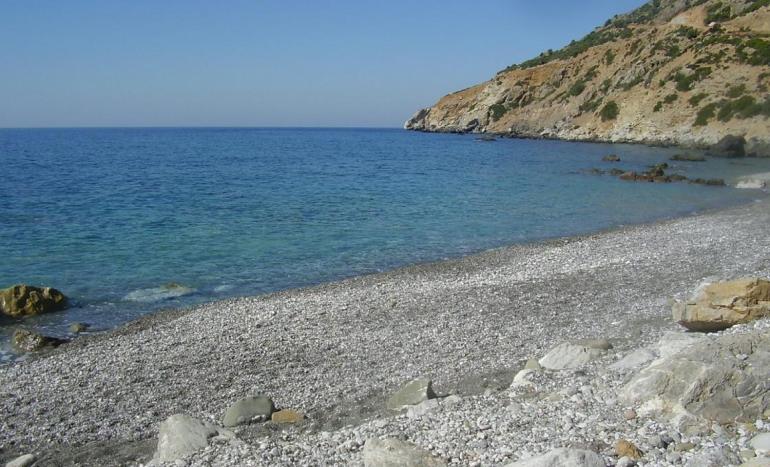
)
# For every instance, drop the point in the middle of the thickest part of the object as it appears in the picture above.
(287, 416)
(22, 461)
(761, 442)
(412, 393)
(392, 452)
(181, 435)
(625, 448)
(247, 410)
(563, 457)
(574, 354)
(22, 300)
(724, 380)
(634, 359)
(721, 305)
(24, 340)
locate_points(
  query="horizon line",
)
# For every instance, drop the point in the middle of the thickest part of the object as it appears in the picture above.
(243, 127)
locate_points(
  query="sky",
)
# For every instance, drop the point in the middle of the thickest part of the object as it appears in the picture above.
(362, 63)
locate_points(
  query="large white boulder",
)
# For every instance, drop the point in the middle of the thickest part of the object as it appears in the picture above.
(574, 354)
(563, 457)
(392, 452)
(723, 379)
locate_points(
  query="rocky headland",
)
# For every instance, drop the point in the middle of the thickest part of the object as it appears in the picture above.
(558, 353)
(693, 73)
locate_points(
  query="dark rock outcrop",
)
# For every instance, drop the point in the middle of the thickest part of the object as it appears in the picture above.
(22, 300)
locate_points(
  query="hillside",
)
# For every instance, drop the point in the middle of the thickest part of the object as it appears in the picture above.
(683, 72)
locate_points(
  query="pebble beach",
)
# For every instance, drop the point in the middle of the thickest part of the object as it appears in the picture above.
(337, 351)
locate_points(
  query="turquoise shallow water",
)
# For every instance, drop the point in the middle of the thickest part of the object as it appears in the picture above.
(111, 215)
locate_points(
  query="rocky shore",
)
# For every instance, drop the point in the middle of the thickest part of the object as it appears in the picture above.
(531, 350)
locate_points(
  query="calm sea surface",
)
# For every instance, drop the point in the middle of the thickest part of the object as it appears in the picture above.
(111, 216)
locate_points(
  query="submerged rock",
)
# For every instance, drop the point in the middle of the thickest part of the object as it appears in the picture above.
(392, 452)
(611, 158)
(563, 457)
(708, 181)
(724, 380)
(24, 340)
(77, 328)
(22, 300)
(688, 158)
(248, 410)
(574, 354)
(156, 294)
(412, 393)
(723, 304)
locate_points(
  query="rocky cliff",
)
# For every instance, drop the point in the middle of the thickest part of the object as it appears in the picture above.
(683, 72)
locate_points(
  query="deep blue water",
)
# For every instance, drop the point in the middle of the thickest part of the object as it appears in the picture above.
(110, 215)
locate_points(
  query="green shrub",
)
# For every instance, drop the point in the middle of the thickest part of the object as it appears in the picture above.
(610, 111)
(577, 88)
(736, 91)
(673, 50)
(609, 57)
(687, 31)
(756, 5)
(658, 106)
(760, 54)
(718, 12)
(497, 111)
(695, 100)
(686, 82)
(670, 98)
(590, 106)
(705, 114)
(743, 107)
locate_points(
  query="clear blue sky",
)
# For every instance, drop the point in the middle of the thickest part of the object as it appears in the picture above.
(264, 62)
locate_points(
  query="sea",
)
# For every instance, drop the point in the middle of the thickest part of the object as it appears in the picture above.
(130, 221)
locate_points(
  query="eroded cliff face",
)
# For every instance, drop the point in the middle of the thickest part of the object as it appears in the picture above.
(672, 72)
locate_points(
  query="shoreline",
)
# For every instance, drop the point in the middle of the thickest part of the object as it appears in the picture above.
(650, 143)
(335, 350)
(166, 314)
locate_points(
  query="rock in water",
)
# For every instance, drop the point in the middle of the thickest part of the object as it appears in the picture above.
(250, 409)
(723, 304)
(24, 340)
(574, 354)
(611, 158)
(705, 382)
(181, 435)
(412, 393)
(22, 461)
(77, 328)
(563, 457)
(688, 158)
(391, 452)
(21, 301)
